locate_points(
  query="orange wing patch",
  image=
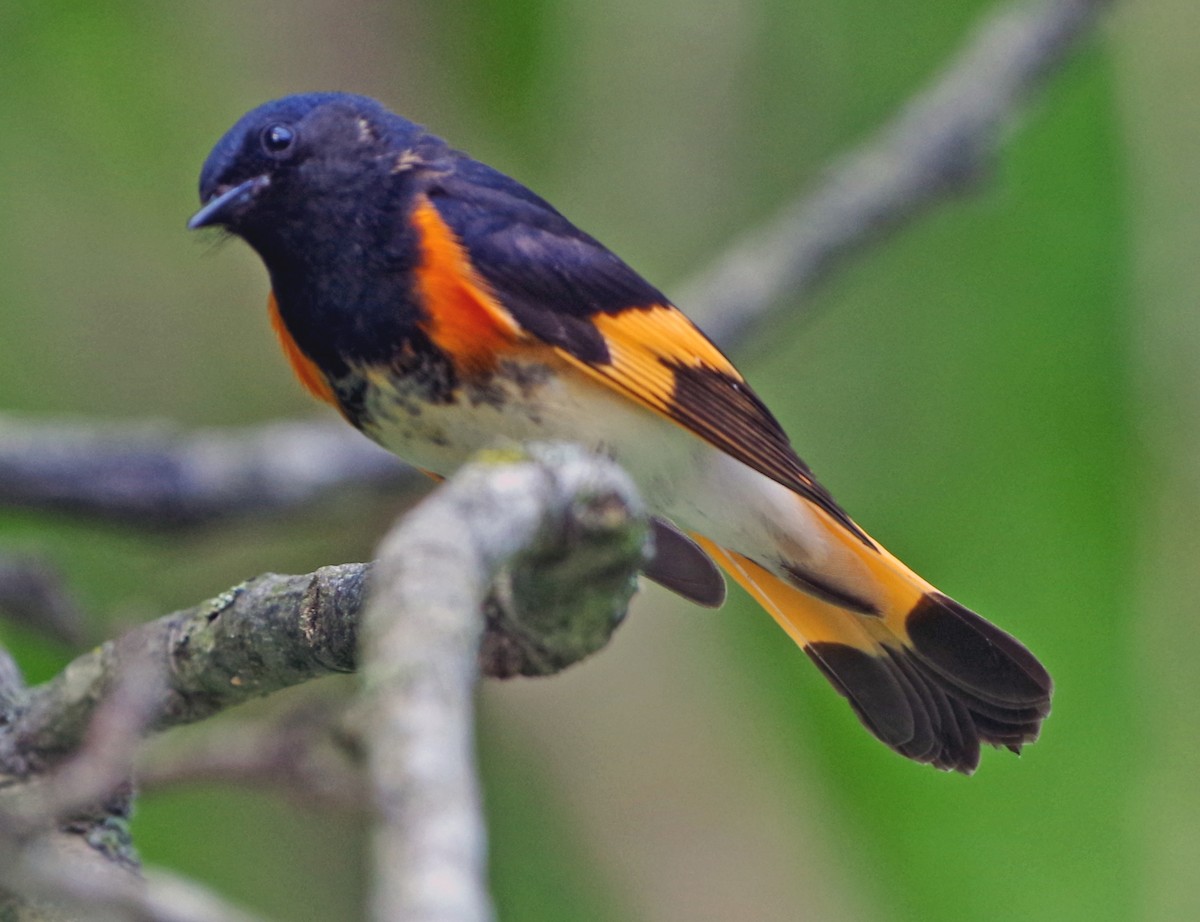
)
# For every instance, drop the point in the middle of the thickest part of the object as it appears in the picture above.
(662, 333)
(660, 359)
(304, 368)
(643, 345)
(464, 320)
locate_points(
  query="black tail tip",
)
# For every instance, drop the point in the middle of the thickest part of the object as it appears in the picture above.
(963, 682)
(977, 656)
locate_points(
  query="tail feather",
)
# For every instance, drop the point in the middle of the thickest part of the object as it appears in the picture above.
(876, 692)
(957, 740)
(928, 677)
(975, 654)
(925, 745)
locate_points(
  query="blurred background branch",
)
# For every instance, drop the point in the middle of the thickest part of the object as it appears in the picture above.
(151, 474)
(33, 593)
(305, 753)
(942, 143)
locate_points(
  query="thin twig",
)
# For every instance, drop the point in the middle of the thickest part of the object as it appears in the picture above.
(65, 851)
(12, 686)
(65, 879)
(101, 767)
(34, 594)
(298, 753)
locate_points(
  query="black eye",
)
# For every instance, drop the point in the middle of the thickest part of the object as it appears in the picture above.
(278, 140)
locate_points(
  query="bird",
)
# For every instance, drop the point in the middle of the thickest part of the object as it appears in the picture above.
(439, 305)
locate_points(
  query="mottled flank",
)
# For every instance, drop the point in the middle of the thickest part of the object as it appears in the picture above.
(509, 380)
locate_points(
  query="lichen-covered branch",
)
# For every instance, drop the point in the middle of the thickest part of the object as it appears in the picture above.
(275, 631)
(423, 630)
(266, 634)
(489, 535)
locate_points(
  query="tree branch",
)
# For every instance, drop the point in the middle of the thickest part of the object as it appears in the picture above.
(65, 850)
(34, 594)
(61, 878)
(275, 631)
(261, 636)
(154, 475)
(550, 509)
(423, 629)
(304, 753)
(941, 144)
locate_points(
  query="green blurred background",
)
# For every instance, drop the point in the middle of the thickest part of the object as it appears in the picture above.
(1007, 393)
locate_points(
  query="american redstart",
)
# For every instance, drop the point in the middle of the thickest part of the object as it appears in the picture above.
(439, 304)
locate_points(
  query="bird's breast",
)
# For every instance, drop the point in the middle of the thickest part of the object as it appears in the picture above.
(539, 397)
(438, 425)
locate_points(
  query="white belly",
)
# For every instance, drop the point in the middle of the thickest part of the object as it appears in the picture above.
(681, 476)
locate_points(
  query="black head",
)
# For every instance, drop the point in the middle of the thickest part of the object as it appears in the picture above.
(303, 159)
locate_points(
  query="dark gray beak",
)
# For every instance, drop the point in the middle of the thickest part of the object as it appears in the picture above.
(227, 202)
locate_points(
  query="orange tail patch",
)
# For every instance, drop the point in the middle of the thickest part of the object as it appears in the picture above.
(932, 680)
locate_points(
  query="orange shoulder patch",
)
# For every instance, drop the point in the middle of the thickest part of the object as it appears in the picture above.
(304, 368)
(645, 345)
(464, 319)
(662, 330)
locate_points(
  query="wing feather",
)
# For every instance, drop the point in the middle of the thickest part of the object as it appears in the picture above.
(565, 288)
